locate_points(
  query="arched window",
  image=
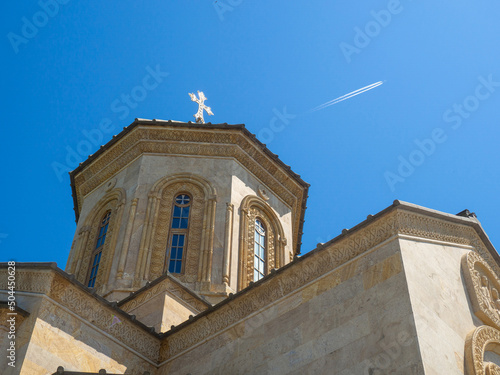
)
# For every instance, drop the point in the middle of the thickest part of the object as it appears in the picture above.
(262, 241)
(177, 243)
(259, 253)
(96, 255)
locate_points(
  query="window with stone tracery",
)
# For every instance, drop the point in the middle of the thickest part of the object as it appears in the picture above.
(179, 227)
(262, 246)
(97, 253)
(259, 253)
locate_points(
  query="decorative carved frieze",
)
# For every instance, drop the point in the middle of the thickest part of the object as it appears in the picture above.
(88, 307)
(210, 142)
(26, 280)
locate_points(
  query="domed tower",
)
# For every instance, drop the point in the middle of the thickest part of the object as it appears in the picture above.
(207, 204)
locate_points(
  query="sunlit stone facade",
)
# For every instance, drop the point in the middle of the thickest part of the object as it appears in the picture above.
(186, 260)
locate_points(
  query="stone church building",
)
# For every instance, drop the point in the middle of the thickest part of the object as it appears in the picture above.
(185, 260)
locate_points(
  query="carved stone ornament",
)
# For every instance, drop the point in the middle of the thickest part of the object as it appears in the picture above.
(483, 339)
(201, 106)
(82, 304)
(110, 184)
(253, 208)
(263, 193)
(492, 369)
(483, 286)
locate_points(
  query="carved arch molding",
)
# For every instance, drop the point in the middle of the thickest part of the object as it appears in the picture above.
(252, 208)
(113, 201)
(152, 250)
(483, 287)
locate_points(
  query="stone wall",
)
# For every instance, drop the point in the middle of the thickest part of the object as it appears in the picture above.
(68, 326)
(231, 181)
(163, 311)
(226, 159)
(356, 319)
(440, 303)
(52, 336)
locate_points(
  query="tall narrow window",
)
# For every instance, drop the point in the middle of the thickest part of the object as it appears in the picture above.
(259, 254)
(178, 234)
(96, 254)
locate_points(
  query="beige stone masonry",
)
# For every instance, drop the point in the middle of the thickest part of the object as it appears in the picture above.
(400, 220)
(86, 306)
(167, 138)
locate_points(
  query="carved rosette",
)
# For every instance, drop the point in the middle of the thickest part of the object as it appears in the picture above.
(483, 287)
(482, 339)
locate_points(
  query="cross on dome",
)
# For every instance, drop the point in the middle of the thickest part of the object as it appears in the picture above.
(201, 106)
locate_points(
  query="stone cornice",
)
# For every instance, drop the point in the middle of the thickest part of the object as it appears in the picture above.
(209, 140)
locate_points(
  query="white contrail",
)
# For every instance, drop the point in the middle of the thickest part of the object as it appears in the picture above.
(347, 96)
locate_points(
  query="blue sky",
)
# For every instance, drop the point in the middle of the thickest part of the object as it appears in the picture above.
(428, 135)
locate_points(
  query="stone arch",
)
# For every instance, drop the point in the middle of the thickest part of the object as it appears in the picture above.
(113, 201)
(152, 249)
(480, 341)
(253, 207)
